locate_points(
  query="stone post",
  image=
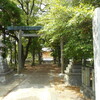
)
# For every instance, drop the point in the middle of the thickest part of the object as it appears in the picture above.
(93, 81)
(83, 76)
(88, 77)
(96, 43)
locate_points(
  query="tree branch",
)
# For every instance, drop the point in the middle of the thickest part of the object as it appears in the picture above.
(40, 4)
(27, 7)
(21, 3)
(13, 36)
(27, 48)
(32, 7)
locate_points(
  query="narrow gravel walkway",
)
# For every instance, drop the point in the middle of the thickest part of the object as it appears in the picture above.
(42, 83)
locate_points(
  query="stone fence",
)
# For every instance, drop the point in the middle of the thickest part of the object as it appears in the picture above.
(88, 88)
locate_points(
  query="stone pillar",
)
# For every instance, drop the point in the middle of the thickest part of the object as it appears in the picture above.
(4, 70)
(96, 43)
(93, 81)
(87, 76)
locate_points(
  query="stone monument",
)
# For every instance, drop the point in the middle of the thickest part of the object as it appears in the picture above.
(4, 69)
(96, 44)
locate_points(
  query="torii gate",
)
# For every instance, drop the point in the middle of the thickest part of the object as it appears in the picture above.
(20, 35)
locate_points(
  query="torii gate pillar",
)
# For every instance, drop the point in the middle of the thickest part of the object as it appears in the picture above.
(19, 52)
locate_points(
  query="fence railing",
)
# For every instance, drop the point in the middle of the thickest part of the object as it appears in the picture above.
(88, 82)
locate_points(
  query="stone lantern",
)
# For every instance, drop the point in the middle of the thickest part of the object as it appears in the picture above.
(4, 70)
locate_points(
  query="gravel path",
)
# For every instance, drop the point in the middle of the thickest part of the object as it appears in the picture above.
(41, 83)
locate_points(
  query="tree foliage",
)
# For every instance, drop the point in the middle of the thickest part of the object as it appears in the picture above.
(74, 23)
(95, 3)
(9, 14)
(70, 19)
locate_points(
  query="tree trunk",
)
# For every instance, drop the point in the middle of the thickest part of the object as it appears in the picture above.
(66, 62)
(11, 55)
(23, 60)
(62, 56)
(15, 55)
(4, 38)
(55, 59)
(33, 58)
(25, 52)
(59, 56)
(39, 56)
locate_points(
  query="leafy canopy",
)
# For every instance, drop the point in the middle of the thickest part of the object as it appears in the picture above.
(74, 23)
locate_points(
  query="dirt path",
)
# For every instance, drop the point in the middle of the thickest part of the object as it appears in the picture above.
(42, 83)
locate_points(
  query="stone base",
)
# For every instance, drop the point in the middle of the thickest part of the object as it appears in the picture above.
(73, 79)
(6, 77)
(73, 75)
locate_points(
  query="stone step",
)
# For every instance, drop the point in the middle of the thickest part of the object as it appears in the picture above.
(66, 72)
(73, 69)
(76, 66)
(73, 79)
(76, 70)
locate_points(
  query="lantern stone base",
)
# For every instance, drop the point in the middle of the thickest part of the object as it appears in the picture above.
(4, 69)
(6, 77)
(5, 72)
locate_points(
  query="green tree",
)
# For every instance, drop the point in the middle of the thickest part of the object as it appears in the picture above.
(9, 15)
(30, 15)
(74, 23)
(95, 3)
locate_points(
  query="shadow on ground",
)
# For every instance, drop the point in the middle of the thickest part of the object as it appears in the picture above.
(40, 82)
